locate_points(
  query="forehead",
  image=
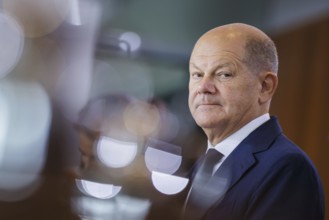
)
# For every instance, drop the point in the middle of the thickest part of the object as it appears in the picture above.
(217, 53)
(217, 43)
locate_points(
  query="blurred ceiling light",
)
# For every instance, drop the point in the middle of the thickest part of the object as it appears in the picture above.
(38, 18)
(168, 184)
(162, 161)
(97, 190)
(114, 153)
(141, 118)
(130, 41)
(11, 43)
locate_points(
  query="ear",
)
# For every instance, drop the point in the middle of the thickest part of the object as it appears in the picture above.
(269, 83)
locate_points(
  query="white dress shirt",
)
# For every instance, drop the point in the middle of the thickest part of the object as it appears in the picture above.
(231, 142)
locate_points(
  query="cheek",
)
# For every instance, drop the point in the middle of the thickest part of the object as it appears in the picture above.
(243, 97)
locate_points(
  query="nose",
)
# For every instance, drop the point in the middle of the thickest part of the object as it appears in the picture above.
(206, 85)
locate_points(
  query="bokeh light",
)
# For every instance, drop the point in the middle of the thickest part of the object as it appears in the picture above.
(168, 184)
(162, 157)
(162, 161)
(11, 43)
(97, 190)
(141, 118)
(114, 153)
(130, 41)
(27, 110)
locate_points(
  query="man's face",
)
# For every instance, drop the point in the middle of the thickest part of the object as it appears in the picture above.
(223, 92)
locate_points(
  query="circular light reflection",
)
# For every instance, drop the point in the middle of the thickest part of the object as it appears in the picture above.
(11, 43)
(130, 41)
(97, 190)
(141, 118)
(162, 161)
(115, 153)
(168, 184)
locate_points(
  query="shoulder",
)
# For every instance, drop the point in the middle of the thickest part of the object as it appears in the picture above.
(284, 157)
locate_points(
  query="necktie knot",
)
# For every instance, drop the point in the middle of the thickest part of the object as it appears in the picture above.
(211, 158)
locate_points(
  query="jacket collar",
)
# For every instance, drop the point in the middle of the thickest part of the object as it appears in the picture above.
(242, 158)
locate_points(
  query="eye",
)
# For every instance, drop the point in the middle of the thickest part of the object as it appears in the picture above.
(196, 75)
(224, 75)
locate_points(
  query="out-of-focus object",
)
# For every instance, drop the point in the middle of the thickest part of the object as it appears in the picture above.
(162, 157)
(168, 184)
(11, 43)
(77, 38)
(97, 190)
(130, 41)
(38, 18)
(24, 126)
(115, 153)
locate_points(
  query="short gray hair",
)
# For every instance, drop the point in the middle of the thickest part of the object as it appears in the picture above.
(261, 55)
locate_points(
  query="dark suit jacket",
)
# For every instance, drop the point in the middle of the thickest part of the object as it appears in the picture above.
(269, 177)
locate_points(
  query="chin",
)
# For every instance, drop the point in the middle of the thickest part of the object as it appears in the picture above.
(207, 123)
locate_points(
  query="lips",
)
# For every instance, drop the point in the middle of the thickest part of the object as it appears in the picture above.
(207, 104)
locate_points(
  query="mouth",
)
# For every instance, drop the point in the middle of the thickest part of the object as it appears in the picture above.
(208, 105)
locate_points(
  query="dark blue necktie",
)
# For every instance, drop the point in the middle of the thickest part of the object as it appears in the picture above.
(193, 210)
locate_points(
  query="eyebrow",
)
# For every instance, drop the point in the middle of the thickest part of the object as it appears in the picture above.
(217, 65)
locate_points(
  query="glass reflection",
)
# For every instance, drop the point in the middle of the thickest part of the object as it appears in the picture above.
(114, 153)
(97, 190)
(162, 157)
(168, 184)
(162, 161)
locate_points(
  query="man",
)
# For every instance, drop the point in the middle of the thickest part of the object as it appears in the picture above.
(261, 175)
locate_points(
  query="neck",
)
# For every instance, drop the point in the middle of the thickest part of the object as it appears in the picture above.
(217, 134)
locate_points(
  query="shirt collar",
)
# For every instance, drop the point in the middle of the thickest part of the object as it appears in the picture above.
(231, 142)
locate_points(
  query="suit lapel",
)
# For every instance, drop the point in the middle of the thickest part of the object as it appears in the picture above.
(242, 158)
